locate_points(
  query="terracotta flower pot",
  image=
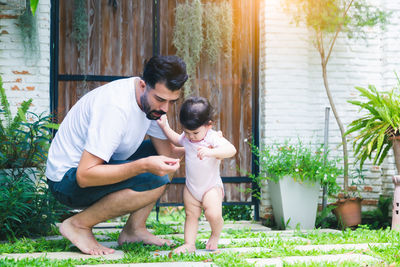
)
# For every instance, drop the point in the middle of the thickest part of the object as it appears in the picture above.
(348, 211)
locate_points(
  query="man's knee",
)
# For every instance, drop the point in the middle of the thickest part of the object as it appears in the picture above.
(156, 193)
(161, 189)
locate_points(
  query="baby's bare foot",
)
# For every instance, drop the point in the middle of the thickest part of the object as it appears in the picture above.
(185, 248)
(212, 243)
(83, 238)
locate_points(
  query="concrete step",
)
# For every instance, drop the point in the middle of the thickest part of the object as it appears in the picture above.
(118, 254)
(337, 258)
(157, 264)
(330, 247)
(228, 241)
(217, 251)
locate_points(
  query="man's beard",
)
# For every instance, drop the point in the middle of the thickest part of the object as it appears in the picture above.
(150, 114)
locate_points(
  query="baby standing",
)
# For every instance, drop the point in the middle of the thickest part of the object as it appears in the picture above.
(204, 149)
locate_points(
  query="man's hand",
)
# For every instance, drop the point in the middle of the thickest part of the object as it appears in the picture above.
(161, 165)
(203, 152)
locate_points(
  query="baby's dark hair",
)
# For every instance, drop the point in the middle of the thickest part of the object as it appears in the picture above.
(195, 112)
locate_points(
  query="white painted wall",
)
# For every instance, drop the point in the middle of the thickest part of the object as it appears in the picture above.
(25, 77)
(292, 95)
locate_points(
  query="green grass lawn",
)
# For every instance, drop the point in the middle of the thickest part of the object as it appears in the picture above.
(277, 247)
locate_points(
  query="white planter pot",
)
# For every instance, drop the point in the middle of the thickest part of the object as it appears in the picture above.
(293, 203)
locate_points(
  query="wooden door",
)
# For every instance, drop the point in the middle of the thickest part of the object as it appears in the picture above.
(120, 40)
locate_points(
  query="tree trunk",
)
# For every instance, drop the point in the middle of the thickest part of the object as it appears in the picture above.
(340, 124)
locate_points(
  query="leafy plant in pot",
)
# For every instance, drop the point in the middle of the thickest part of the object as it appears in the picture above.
(26, 206)
(295, 173)
(378, 130)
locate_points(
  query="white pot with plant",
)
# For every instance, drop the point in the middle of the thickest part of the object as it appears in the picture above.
(295, 174)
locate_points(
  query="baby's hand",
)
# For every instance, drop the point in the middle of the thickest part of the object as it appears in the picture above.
(203, 152)
(163, 121)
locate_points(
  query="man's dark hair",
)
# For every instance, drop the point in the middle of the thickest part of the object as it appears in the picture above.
(195, 112)
(168, 70)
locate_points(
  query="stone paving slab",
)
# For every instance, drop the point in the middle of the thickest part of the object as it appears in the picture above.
(254, 227)
(358, 258)
(109, 225)
(171, 236)
(60, 237)
(221, 250)
(325, 248)
(228, 241)
(118, 254)
(109, 244)
(156, 264)
(107, 230)
(293, 232)
(105, 225)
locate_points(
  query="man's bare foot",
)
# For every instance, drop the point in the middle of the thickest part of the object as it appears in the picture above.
(185, 248)
(212, 243)
(83, 238)
(142, 235)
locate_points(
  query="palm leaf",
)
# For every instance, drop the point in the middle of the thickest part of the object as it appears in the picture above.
(381, 120)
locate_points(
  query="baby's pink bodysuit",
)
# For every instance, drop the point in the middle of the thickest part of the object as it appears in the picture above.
(202, 175)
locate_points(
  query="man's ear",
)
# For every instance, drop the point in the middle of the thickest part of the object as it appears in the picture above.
(142, 85)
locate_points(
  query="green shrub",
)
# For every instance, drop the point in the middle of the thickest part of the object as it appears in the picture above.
(302, 162)
(237, 212)
(26, 206)
(379, 123)
(379, 218)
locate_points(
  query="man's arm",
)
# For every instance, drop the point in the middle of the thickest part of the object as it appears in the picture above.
(166, 148)
(93, 172)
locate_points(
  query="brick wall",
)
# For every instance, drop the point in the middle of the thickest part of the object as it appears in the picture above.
(292, 95)
(26, 76)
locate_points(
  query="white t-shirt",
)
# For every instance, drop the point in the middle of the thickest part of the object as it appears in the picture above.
(107, 122)
(202, 174)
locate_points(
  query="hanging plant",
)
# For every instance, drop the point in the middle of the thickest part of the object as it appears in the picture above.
(28, 30)
(196, 24)
(80, 30)
(225, 11)
(218, 23)
(188, 37)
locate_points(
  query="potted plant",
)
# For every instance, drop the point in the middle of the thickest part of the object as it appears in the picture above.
(378, 131)
(295, 174)
(26, 206)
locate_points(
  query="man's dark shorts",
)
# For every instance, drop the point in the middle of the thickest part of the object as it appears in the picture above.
(68, 192)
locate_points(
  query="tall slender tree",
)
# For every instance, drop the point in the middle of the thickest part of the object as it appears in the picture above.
(326, 19)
